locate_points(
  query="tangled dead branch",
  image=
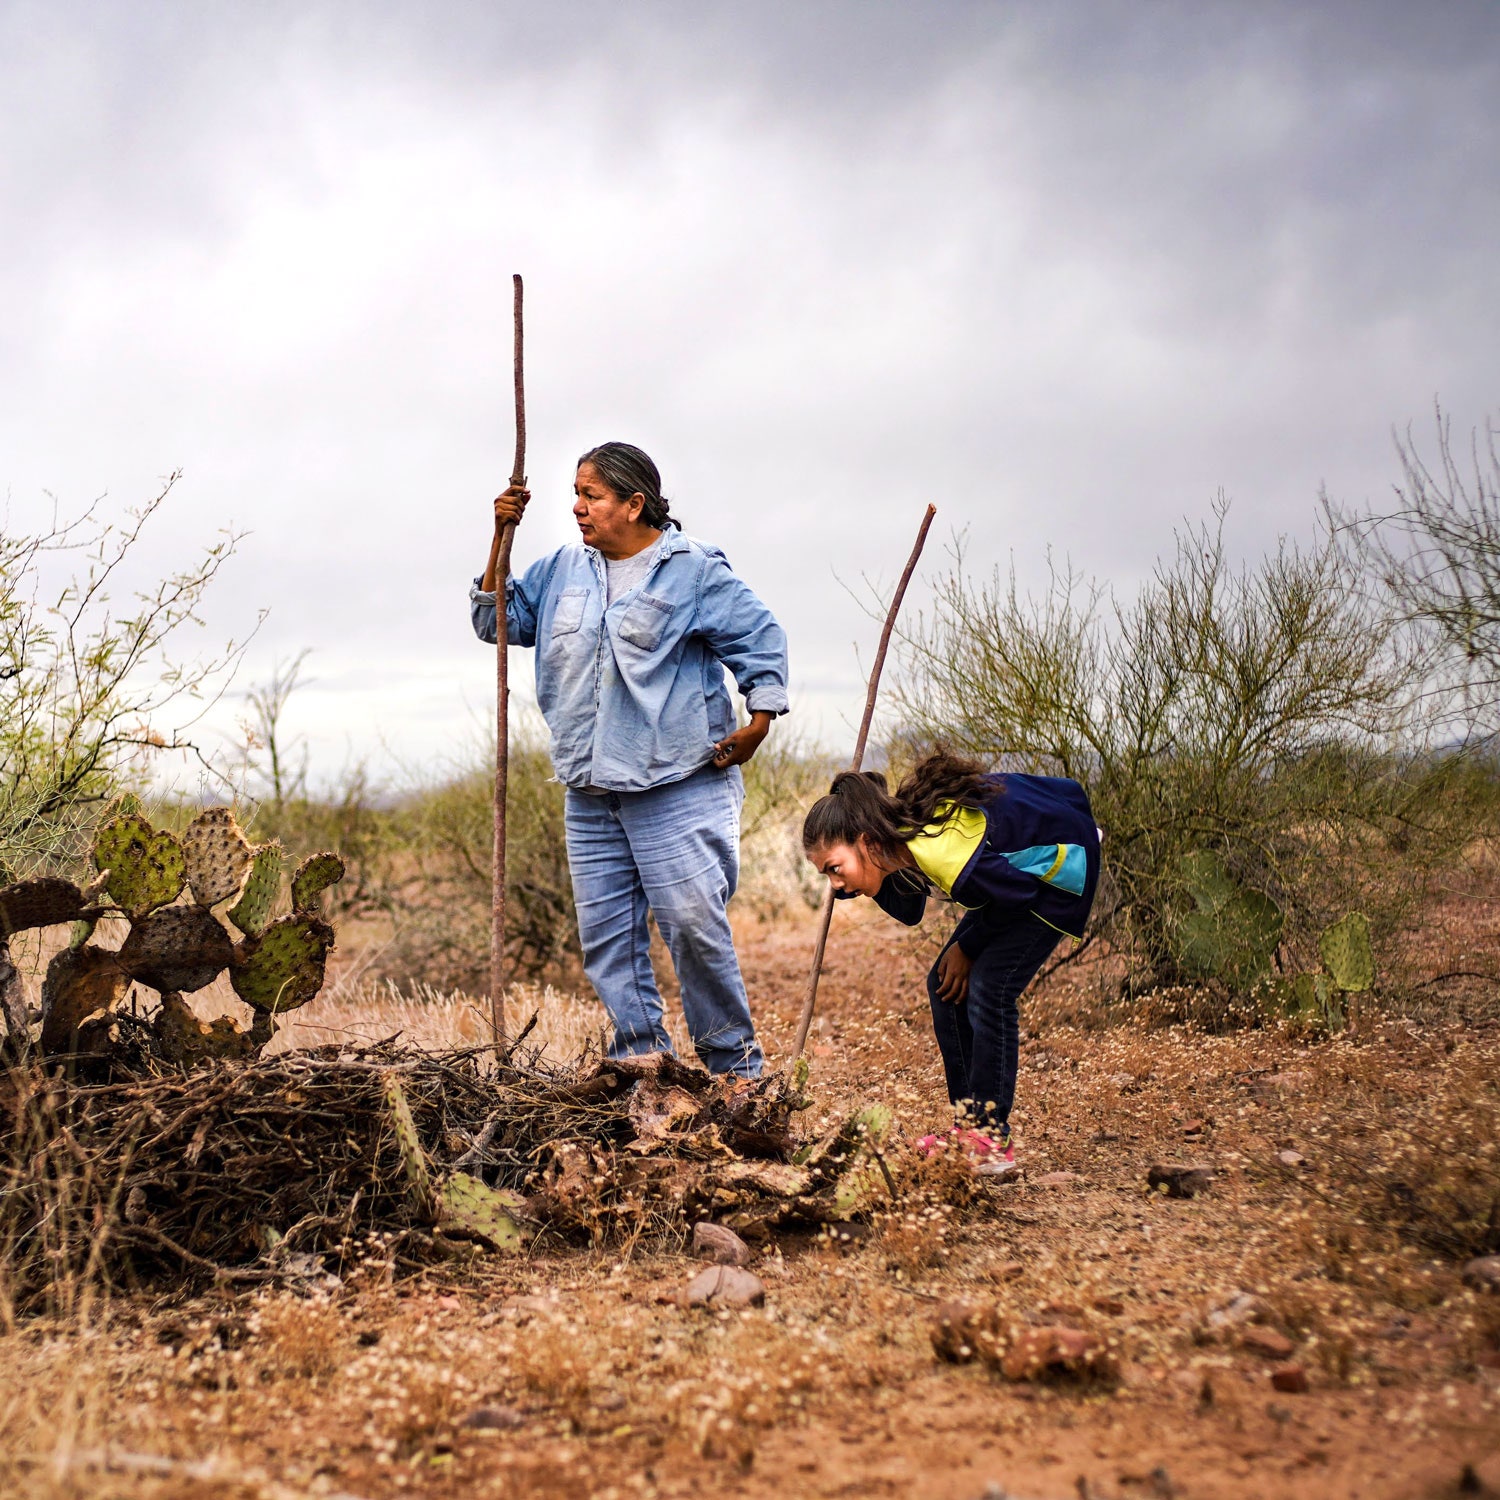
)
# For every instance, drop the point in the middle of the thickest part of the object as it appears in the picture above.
(251, 1169)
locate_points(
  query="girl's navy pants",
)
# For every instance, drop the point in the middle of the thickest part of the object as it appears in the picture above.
(980, 1036)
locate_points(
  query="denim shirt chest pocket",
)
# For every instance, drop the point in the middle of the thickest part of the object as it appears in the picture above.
(568, 615)
(644, 622)
(572, 643)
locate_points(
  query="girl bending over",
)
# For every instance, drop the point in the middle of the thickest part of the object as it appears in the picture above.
(1019, 854)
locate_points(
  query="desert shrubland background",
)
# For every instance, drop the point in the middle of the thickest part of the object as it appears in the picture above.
(1291, 978)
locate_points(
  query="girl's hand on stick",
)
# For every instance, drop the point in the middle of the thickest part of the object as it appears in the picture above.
(511, 506)
(953, 974)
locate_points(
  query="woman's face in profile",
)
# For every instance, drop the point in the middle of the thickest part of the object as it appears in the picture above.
(605, 520)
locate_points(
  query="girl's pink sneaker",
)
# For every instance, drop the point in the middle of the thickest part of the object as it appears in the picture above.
(992, 1155)
(1001, 1162)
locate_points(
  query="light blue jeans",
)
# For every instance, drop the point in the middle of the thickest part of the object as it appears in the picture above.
(674, 850)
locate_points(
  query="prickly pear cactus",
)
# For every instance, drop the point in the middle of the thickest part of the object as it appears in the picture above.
(179, 948)
(409, 1143)
(175, 949)
(863, 1181)
(282, 968)
(1234, 942)
(37, 903)
(472, 1208)
(1311, 1002)
(80, 982)
(217, 855)
(187, 1041)
(845, 1166)
(252, 912)
(314, 875)
(1347, 955)
(801, 1069)
(146, 866)
(1206, 880)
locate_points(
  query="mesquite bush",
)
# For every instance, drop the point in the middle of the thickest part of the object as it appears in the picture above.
(1252, 741)
(92, 687)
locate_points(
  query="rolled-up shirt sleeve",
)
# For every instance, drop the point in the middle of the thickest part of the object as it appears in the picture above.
(482, 611)
(522, 598)
(745, 636)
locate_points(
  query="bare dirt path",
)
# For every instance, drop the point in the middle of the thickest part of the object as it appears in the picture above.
(585, 1379)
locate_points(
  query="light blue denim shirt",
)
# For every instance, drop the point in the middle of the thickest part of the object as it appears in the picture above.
(634, 694)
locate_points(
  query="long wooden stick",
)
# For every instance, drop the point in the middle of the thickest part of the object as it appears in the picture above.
(502, 700)
(825, 916)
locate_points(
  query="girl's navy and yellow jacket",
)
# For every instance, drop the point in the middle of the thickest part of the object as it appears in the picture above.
(1034, 849)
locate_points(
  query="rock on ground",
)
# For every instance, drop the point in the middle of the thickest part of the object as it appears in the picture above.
(725, 1286)
(1181, 1179)
(1267, 1341)
(722, 1246)
(1483, 1273)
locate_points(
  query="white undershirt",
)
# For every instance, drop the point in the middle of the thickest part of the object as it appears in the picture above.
(625, 573)
(621, 576)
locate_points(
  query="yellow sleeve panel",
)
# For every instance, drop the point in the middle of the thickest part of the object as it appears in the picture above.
(942, 850)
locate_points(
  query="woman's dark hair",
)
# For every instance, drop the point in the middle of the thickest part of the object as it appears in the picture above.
(628, 471)
(858, 803)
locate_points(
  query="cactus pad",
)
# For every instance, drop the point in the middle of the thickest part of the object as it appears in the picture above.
(252, 912)
(37, 903)
(218, 856)
(845, 1165)
(79, 983)
(283, 967)
(176, 948)
(1235, 942)
(865, 1178)
(801, 1069)
(187, 1041)
(1311, 1001)
(314, 875)
(1233, 934)
(472, 1208)
(146, 868)
(1206, 880)
(409, 1143)
(1347, 955)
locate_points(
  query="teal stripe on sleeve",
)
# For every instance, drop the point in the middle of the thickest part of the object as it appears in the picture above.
(1065, 866)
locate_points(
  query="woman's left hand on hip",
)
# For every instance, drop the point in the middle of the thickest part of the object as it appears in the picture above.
(735, 749)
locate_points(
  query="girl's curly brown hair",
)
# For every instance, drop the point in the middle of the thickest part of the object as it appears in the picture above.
(859, 804)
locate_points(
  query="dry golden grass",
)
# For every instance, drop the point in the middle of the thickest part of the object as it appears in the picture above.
(356, 1006)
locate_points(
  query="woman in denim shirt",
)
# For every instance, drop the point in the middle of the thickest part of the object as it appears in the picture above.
(633, 627)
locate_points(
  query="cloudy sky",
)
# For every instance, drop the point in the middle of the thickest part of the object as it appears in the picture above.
(1064, 269)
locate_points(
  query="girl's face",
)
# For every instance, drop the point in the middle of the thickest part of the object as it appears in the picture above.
(851, 867)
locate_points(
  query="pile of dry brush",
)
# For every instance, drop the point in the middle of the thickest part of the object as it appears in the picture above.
(132, 1148)
(297, 1165)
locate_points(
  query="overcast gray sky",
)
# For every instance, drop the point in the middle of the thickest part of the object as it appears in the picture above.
(1063, 269)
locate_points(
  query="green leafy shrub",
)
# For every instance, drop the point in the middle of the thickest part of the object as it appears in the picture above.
(89, 696)
(1251, 741)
